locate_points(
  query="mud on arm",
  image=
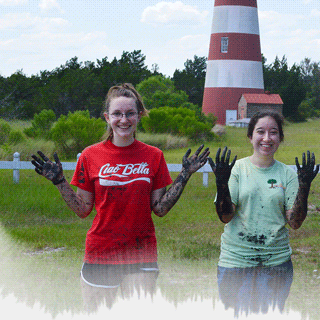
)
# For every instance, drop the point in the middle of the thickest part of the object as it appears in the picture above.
(80, 202)
(306, 173)
(163, 200)
(222, 170)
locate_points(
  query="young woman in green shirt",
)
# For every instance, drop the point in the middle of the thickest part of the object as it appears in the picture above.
(257, 197)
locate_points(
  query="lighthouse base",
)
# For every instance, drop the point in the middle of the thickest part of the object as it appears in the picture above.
(218, 100)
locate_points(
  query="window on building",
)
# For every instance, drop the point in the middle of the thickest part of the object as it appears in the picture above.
(224, 44)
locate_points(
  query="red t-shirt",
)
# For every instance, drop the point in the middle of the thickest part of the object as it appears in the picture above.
(121, 179)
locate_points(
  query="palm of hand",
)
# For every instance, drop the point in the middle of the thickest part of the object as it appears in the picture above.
(222, 168)
(45, 167)
(306, 172)
(196, 161)
(52, 171)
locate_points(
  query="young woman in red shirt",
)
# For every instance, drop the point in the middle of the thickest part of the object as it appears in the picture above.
(125, 180)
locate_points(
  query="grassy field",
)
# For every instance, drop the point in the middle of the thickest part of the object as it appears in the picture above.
(34, 215)
(33, 211)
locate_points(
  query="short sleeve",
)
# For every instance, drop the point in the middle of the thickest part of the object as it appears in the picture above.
(81, 176)
(162, 177)
(291, 189)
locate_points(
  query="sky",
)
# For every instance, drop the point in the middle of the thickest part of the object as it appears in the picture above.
(38, 35)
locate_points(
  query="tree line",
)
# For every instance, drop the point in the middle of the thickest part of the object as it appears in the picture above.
(82, 86)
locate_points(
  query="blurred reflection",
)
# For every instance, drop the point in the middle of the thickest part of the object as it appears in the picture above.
(47, 282)
(100, 283)
(255, 290)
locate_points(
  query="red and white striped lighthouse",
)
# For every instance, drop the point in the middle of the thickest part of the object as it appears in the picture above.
(234, 63)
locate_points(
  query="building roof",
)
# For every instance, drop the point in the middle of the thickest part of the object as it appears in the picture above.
(262, 98)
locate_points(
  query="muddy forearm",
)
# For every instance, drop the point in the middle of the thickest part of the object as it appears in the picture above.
(224, 206)
(172, 195)
(298, 213)
(73, 200)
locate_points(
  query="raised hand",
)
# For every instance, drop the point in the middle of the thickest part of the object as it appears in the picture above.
(196, 161)
(222, 168)
(306, 172)
(50, 170)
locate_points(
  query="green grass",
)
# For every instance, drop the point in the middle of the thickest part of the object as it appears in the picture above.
(34, 212)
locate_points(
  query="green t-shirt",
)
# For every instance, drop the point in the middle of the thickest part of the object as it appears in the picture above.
(256, 235)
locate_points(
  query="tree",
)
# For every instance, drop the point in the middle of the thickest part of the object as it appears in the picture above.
(192, 79)
(278, 78)
(293, 92)
(306, 69)
(130, 68)
(315, 88)
(73, 86)
(21, 91)
(148, 87)
(159, 91)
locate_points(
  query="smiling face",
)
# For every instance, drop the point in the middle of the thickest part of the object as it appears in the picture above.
(124, 127)
(265, 138)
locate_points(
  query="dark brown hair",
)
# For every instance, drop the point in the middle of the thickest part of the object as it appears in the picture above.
(278, 118)
(124, 90)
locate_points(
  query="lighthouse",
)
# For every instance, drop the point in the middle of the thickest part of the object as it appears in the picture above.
(234, 63)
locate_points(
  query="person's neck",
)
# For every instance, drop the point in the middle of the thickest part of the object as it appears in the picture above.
(262, 162)
(122, 142)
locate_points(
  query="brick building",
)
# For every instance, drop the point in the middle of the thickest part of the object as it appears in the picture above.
(250, 103)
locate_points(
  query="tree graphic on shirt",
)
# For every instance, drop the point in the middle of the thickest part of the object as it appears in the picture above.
(272, 181)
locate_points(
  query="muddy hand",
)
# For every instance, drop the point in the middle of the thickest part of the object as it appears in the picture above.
(306, 172)
(222, 168)
(50, 170)
(196, 161)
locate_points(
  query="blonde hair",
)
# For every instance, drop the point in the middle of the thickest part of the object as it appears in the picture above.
(124, 90)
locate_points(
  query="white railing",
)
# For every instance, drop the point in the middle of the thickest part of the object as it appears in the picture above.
(16, 165)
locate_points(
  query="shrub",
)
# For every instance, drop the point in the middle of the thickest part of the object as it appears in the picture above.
(72, 133)
(5, 130)
(15, 137)
(41, 125)
(307, 109)
(179, 121)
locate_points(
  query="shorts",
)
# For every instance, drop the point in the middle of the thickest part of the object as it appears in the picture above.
(112, 275)
(255, 289)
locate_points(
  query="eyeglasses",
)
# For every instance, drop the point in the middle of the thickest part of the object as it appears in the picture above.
(119, 115)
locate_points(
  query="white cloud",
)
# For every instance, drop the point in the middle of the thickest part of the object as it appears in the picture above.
(173, 13)
(46, 5)
(26, 21)
(46, 50)
(12, 2)
(289, 34)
